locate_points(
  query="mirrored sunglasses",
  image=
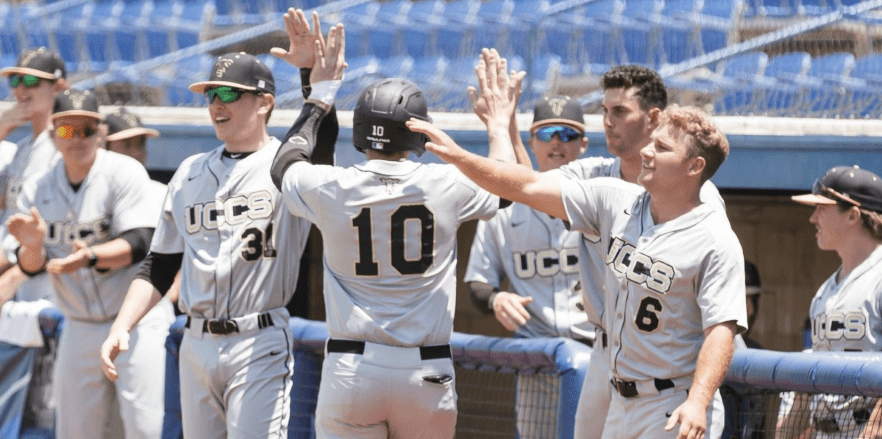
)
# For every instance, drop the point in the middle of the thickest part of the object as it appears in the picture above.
(820, 189)
(29, 81)
(225, 94)
(69, 131)
(566, 134)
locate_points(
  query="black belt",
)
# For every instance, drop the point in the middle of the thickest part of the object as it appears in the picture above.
(229, 326)
(628, 389)
(357, 347)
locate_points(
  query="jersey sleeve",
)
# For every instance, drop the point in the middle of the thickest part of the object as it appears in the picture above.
(476, 203)
(167, 237)
(721, 294)
(133, 203)
(582, 204)
(485, 264)
(298, 181)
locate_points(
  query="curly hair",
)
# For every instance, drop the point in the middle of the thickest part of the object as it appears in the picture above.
(650, 87)
(708, 141)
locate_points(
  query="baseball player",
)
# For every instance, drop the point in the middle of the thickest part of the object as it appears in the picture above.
(846, 312)
(223, 226)
(35, 80)
(674, 314)
(127, 136)
(389, 279)
(539, 257)
(88, 222)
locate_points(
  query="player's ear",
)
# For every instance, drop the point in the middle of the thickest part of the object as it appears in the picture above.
(696, 167)
(60, 85)
(267, 102)
(653, 115)
(584, 146)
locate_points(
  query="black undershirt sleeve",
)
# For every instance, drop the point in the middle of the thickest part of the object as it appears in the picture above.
(139, 239)
(299, 143)
(160, 269)
(480, 293)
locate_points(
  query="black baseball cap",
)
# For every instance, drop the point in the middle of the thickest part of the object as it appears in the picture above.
(42, 63)
(239, 70)
(558, 109)
(846, 184)
(76, 103)
(124, 125)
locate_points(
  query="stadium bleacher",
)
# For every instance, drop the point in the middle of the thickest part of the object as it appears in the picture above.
(563, 43)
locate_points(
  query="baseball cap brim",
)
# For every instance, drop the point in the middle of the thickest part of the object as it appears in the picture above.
(199, 87)
(560, 121)
(86, 113)
(9, 71)
(812, 199)
(132, 132)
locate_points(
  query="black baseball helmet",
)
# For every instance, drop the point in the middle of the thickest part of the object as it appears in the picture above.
(380, 114)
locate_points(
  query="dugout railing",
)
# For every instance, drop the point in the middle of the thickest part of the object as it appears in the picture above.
(488, 367)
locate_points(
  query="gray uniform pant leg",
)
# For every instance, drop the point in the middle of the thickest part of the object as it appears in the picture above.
(645, 417)
(89, 405)
(238, 385)
(595, 396)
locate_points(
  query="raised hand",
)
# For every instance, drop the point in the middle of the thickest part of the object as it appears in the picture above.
(301, 51)
(439, 142)
(498, 92)
(29, 230)
(330, 58)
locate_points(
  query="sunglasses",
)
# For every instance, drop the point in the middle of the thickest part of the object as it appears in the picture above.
(29, 81)
(566, 134)
(820, 189)
(225, 94)
(69, 131)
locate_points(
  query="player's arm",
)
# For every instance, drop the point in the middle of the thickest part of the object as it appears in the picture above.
(326, 76)
(30, 231)
(507, 180)
(301, 54)
(129, 248)
(713, 362)
(9, 283)
(795, 422)
(499, 95)
(153, 281)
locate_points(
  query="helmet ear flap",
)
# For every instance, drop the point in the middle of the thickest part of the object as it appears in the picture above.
(380, 115)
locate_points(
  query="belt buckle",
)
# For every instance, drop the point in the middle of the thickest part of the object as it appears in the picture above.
(627, 389)
(221, 326)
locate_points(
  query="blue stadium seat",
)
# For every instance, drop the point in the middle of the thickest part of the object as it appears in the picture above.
(782, 85)
(423, 12)
(68, 44)
(128, 45)
(828, 85)
(428, 70)
(530, 12)
(157, 42)
(418, 42)
(462, 12)
(737, 76)
(451, 42)
(97, 46)
(394, 11)
(866, 100)
(639, 34)
(496, 11)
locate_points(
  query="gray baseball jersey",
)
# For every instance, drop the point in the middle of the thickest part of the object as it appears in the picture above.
(113, 198)
(226, 221)
(539, 257)
(33, 156)
(389, 233)
(673, 280)
(846, 316)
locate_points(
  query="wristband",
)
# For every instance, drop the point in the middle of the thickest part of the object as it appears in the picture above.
(93, 258)
(492, 300)
(325, 91)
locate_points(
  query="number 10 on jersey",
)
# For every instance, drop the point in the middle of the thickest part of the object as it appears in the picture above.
(367, 264)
